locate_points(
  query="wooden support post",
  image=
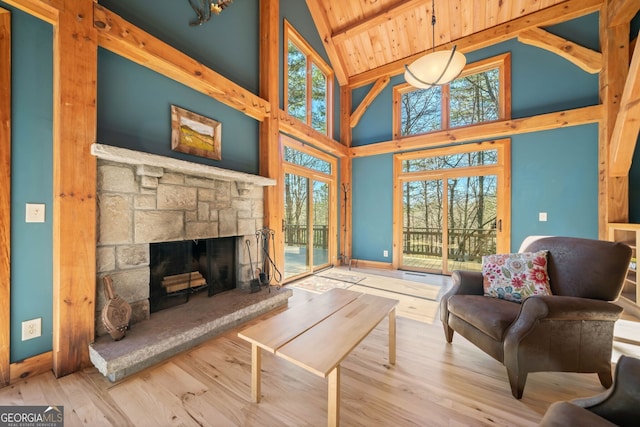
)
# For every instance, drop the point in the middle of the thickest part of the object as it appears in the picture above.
(613, 201)
(270, 156)
(5, 194)
(74, 185)
(345, 176)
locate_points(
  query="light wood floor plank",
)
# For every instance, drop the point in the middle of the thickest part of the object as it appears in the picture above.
(432, 384)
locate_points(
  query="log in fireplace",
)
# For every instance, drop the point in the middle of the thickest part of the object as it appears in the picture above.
(183, 268)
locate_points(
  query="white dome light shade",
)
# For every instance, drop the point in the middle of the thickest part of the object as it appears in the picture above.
(435, 69)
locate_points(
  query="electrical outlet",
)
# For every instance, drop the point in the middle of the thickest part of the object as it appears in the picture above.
(385, 253)
(35, 212)
(542, 216)
(31, 329)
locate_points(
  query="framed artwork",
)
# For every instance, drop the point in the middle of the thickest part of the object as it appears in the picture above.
(194, 134)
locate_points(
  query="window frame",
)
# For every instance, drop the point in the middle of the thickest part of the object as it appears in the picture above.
(291, 35)
(501, 62)
(502, 170)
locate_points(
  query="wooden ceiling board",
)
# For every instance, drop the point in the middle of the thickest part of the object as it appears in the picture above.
(370, 34)
(480, 17)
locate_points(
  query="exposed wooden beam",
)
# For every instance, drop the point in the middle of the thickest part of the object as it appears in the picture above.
(552, 15)
(621, 11)
(296, 128)
(5, 196)
(131, 42)
(379, 18)
(587, 59)
(75, 67)
(46, 10)
(627, 126)
(504, 128)
(371, 96)
(322, 24)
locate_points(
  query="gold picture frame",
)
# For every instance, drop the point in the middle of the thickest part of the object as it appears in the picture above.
(194, 134)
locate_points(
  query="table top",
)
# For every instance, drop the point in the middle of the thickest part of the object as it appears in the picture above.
(319, 334)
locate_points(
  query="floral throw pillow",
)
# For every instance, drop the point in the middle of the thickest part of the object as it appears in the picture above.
(515, 277)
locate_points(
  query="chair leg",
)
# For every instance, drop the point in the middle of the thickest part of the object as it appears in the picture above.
(448, 332)
(605, 378)
(517, 381)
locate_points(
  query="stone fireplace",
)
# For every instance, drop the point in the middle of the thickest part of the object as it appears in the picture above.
(145, 199)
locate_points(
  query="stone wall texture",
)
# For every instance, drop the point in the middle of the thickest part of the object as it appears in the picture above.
(142, 204)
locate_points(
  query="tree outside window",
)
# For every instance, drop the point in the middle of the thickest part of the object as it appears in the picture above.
(308, 90)
(478, 96)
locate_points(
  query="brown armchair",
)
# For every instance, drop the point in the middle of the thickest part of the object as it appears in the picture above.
(569, 331)
(618, 406)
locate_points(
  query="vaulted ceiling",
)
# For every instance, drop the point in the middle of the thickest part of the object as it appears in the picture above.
(364, 35)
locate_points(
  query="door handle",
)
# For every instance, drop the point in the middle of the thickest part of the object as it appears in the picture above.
(500, 226)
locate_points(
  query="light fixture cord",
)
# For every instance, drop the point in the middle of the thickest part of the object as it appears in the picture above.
(433, 25)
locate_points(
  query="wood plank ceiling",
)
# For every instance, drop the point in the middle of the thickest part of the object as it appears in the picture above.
(362, 35)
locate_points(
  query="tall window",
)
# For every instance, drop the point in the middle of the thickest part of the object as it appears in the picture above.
(479, 95)
(309, 83)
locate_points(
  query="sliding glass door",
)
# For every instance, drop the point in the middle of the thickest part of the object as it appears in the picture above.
(309, 223)
(454, 207)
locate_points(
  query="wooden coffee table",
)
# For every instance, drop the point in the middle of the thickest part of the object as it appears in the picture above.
(319, 334)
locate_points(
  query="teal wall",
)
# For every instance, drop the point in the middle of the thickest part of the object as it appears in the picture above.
(553, 171)
(556, 172)
(133, 112)
(134, 102)
(31, 181)
(372, 209)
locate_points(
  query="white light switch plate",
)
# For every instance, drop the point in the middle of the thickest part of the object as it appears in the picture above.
(542, 216)
(35, 212)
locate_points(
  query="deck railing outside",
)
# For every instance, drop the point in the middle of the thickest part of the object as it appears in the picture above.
(464, 244)
(296, 235)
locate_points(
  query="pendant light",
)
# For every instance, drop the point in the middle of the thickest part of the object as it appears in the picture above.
(435, 68)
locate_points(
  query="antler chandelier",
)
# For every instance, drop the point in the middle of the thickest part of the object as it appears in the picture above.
(204, 9)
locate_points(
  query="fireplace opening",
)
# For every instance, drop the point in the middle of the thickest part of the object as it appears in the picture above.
(183, 268)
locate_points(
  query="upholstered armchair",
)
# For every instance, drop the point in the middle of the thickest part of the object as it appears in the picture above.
(568, 331)
(618, 406)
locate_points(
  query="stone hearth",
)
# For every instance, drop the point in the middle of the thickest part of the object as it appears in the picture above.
(179, 328)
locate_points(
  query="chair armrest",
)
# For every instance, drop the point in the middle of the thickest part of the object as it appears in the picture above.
(554, 307)
(466, 282)
(574, 308)
(621, 403)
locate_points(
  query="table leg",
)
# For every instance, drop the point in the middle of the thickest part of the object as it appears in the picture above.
(392, 336)
(256, 362)
(333, 417)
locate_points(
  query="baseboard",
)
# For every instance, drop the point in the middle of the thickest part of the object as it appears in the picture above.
(363, 263)
(27, 368)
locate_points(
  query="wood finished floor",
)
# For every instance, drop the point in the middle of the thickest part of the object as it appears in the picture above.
(432, 384)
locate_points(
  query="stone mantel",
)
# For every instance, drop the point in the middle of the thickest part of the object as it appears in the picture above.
(132, 157)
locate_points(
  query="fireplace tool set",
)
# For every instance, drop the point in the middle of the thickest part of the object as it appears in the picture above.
(269, 273)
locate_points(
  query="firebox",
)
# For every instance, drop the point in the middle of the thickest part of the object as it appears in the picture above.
(181, 269)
